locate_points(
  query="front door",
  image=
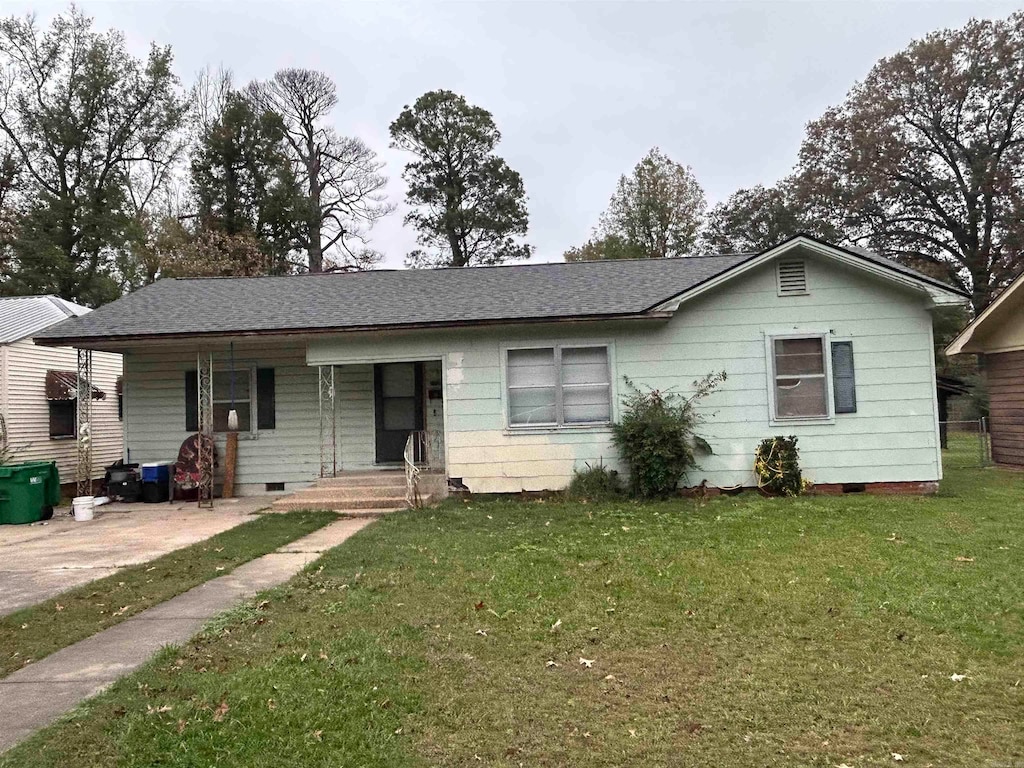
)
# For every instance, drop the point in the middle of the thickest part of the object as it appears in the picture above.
(398, 393)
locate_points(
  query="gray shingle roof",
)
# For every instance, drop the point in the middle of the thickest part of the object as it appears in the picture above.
(405, 298)
(23, 316)
(402, 298)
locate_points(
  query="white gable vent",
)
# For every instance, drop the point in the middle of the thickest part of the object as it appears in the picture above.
(792, 277)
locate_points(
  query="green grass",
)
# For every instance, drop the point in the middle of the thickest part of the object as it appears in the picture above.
(32, 633)
(741, 632)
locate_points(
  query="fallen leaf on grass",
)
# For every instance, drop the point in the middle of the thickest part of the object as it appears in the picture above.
(957, 678)
(632, 733)
(58, 607)
(962, 559)
(122, 610)
(479, 606)
(556, 625)
(549, 663)
(220, 711)
(482, 632)
(588, 663)
(896, 756)
(318, 735)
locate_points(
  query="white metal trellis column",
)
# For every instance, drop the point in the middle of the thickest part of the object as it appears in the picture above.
(328, 423)
(204, 440)
(83, 423)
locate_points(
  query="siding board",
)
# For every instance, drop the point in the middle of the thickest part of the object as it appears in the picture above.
(27, 411)
(1004, 373)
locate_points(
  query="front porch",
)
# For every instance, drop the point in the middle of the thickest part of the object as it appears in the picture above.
(299, 424)
(381, 416)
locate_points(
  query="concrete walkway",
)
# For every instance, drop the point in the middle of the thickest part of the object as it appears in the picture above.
(41, 560)
(39, 693)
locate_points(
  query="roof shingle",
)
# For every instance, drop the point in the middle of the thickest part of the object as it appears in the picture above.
(395, 298)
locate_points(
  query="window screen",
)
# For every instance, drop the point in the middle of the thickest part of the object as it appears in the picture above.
(558, 385)
(800, 386)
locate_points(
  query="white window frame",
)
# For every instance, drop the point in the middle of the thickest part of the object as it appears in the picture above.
(225, 373)
(559, 424)
(826, 347)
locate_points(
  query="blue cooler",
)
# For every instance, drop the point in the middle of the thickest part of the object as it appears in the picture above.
(156, 481)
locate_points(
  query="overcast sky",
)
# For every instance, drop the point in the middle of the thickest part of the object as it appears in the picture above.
(580, 91)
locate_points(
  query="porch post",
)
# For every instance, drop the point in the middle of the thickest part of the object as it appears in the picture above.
(204, 439)
(328, 422)
(83, 423)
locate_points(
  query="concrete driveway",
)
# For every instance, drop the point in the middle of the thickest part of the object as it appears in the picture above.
(40, 561)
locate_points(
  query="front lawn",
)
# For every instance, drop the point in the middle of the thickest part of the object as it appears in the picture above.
(32, 633)
(816, 631)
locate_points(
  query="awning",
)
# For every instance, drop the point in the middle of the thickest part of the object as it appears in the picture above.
(63, 385)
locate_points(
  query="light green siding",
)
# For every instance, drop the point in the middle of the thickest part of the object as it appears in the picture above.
(892, 437)
(155, 413)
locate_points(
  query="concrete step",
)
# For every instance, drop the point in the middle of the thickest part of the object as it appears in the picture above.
(351, 492)
(342, 508)
(301, 501)
(363, 480)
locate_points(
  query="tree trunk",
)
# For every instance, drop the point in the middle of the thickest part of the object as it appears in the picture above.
(314, 223)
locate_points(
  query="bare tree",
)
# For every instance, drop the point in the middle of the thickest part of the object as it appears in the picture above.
(340, 174)
(209, 96)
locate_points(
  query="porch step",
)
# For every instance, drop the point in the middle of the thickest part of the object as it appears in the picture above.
(330, 501)
(289, 504)
(352, 491)
(363, 493)
(363, 480)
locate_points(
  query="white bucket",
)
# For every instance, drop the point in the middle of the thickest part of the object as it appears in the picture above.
(82, 506)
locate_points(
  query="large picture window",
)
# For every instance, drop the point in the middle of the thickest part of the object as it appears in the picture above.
(558, 386)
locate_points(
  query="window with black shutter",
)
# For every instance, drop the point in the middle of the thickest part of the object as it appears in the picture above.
(253, 392)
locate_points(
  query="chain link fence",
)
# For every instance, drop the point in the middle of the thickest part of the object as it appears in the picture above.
(965, 444)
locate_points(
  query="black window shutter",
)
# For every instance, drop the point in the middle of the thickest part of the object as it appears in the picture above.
(266, 407)
(842, 377)
(191, 401)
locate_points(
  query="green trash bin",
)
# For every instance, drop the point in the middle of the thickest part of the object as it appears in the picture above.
(28, 492)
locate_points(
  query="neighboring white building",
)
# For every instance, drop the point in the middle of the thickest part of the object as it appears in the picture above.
(515, 374)
(37, 389)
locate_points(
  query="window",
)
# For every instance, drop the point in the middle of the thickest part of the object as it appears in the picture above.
(558, 386)
(62, 418)
(254, 396)
(801, 390)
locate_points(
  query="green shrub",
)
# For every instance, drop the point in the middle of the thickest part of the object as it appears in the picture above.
(656, 436)
(595, 483)
(777, 466)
